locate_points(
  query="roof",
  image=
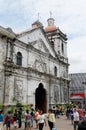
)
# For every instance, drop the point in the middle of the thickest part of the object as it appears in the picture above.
(76, 97)
(50, 28)
(7, 32)
(78, 81)
(37, 22)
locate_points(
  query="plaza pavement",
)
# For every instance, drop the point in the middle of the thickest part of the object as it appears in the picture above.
(61, 124)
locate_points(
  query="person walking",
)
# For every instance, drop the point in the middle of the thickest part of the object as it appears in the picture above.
(51, 119)
(36, 117)
(76, 119)
(41, 120)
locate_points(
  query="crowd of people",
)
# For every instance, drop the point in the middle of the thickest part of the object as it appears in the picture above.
(8, 119)
(38, 119)
(77, 117)
(32, 118)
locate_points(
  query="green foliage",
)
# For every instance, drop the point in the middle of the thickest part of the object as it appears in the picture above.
(12, 109)
(26, 107)
(0, 106)
(19, 104)
(14, 99)
(68, 105)
(23, 115)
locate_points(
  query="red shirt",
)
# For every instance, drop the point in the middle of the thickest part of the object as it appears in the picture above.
(80, 112)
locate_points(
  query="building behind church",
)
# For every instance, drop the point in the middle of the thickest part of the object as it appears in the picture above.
(78, 89)
(34, 66)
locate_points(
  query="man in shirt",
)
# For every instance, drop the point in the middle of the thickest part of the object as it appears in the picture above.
(76, 119)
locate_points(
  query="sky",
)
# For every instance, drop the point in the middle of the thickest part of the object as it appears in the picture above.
(69, 15)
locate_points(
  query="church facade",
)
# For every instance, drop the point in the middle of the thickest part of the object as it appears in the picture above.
(34, 66)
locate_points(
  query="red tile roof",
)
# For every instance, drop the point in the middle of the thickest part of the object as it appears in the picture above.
(50, 28)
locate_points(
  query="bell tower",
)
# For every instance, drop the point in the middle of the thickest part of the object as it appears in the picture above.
(57, 38)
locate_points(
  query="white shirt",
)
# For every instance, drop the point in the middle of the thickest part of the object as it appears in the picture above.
(76, 116)
(41, 118)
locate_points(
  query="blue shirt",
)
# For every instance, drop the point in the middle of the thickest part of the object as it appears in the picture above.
(1, 117)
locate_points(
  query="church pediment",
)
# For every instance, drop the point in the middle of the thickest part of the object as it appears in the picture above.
(40, 45)
(38, 40)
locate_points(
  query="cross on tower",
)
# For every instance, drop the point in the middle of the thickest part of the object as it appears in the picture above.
(38, 16)
(50, 14)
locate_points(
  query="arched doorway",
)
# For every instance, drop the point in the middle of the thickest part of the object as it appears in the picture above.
(40, 98)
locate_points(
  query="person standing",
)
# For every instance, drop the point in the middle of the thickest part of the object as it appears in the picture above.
(28, 125)
(1, 119)
(80, 111)
(7, 121)
(71, 115)
(32, 117)
(15, 116)
(84, 116)
(51, 119)
(76, 119)
(19, 118)
(68, 113)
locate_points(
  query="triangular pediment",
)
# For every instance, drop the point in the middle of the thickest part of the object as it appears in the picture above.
(40, 45)
(38, 40)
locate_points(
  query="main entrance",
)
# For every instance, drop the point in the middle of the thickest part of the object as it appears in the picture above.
(40, 98)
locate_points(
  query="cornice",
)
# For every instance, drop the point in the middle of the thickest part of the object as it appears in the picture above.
(7, 32)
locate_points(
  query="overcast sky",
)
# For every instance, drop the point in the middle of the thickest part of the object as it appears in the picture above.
(69, 15)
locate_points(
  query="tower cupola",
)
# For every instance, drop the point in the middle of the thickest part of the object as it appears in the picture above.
(51, 27)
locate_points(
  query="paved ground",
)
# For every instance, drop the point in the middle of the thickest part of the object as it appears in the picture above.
(61, 124)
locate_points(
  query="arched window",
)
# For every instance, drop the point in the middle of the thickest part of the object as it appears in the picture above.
(62, 48)
(55, 71)
(52, 44)
(19, 58)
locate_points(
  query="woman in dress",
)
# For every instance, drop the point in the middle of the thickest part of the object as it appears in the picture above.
(51, 119)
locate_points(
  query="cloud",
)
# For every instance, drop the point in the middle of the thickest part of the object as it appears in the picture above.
(77, 54)
(69, 15)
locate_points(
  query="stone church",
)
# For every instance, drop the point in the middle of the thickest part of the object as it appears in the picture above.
(34, 66)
